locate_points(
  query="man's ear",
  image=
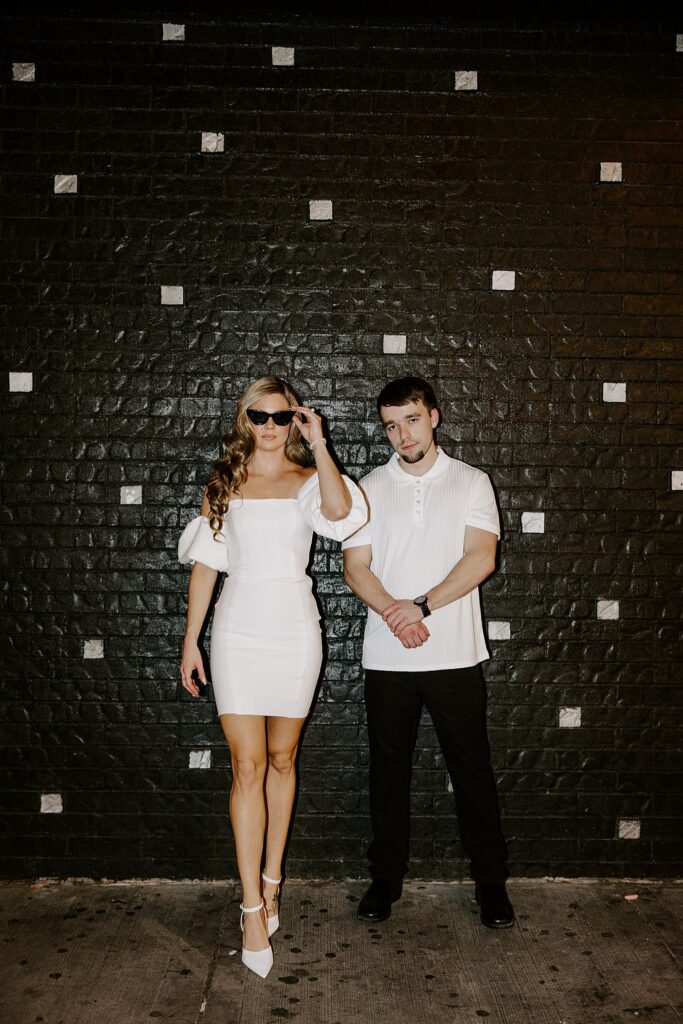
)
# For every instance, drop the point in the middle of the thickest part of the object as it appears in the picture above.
(435, 417)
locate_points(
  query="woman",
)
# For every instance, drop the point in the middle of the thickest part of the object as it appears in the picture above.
(258, 514)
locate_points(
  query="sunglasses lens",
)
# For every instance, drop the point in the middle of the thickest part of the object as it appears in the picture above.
(257, 416)
(283, 418)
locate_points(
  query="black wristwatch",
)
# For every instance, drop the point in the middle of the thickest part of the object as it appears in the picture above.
(421, 603)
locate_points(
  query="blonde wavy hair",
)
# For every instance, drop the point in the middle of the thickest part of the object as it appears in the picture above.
(230, 471)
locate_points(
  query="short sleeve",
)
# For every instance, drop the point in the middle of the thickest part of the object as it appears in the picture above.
(197, 544)
(482, 510)
(309, 499)
(361, 538)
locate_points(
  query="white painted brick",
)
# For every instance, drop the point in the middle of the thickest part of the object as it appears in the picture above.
(23, 72)
(570, 718)
(172, 295)
(499, 630)
(610, 171)
(677, 480)
(213, 142)
(679, 42)
(51, 803)
(93, 649)
(533, 522)
(65, 183)
(21, 381)
(608, 609)
(173, 33)
(200, 759)
(320, 209)
(614, 391)
(394, 344)
(503, 280)
(131, 494)
(628, 828)
(466, 80)
(282, 56)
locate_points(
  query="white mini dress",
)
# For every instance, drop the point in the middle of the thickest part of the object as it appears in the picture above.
(266, 644)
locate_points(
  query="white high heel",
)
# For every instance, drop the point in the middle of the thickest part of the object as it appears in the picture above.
(259, 961)
(274, 921)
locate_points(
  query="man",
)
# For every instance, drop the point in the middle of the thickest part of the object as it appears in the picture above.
(417, 564)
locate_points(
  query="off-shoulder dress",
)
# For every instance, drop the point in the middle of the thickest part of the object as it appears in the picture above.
(266, 644)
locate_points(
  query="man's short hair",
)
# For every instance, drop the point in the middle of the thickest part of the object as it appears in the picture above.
(407, 389)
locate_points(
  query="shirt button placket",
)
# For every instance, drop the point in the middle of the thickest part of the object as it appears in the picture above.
(418, 517)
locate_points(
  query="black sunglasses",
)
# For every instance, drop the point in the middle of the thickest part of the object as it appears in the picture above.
(281, 418)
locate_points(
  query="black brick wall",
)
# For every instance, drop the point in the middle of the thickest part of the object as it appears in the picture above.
(433, 189)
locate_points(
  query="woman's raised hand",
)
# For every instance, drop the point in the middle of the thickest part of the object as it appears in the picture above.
(312, 428)
(191, 660)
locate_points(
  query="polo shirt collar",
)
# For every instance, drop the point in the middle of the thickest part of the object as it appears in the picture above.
(439, 467)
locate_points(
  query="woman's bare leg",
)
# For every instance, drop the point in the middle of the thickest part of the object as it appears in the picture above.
(283, 741)
(246, 736)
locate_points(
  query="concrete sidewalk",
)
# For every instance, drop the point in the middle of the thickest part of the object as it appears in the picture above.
(126, 953)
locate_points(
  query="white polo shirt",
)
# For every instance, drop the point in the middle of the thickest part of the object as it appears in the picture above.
(417, 534)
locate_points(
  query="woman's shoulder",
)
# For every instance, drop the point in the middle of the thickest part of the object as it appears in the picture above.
(307, 472)
(308, 479)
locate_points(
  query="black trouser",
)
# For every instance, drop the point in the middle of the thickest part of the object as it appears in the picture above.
(456, 701)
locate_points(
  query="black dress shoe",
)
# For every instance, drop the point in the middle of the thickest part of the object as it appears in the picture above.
(496, 911)
(376, 904)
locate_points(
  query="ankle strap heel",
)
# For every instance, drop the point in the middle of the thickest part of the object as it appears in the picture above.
(250, 910)
(260, 961)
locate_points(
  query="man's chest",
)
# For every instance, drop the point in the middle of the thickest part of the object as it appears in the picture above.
(419, 512)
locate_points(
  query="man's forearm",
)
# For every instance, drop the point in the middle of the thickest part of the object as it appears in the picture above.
(472, 569)
(368, 588)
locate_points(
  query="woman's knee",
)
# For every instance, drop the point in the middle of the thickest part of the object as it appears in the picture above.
(248, 770)
(282, 761)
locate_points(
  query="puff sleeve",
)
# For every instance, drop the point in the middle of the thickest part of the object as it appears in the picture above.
(309, 499)
(197, 544)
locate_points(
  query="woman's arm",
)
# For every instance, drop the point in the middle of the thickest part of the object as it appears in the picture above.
(202, 582)
(335, 498)
(200, 591)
